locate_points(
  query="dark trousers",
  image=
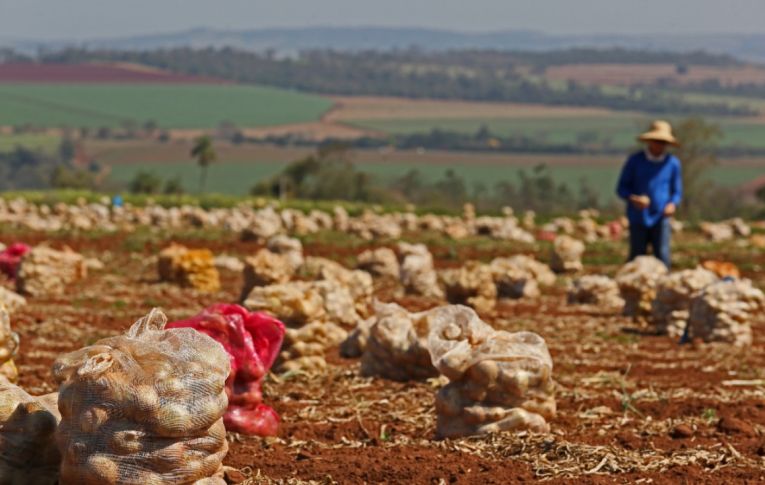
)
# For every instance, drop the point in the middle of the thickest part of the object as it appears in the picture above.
(658, 235)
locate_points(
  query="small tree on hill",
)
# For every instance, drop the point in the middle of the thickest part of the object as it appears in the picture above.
(697, 153)
(204, 153)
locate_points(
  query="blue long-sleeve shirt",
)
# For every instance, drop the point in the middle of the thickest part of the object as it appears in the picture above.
(661, 181)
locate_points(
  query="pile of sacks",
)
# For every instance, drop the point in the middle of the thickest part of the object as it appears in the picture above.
(275, 264)
(380, 263)
(471, 284)
(189, 268)
(723, 312)
(595, 290)
(725, 230)
(674, 292)
(47, 272)
(392, 344)
(252, 341)
(520, 276)
(499, 381)
(567, 255)
(9, 345)
(11, 300)
(637, 282)
(143, 407)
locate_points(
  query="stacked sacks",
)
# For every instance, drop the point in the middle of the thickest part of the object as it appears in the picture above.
(44, 271)
(358, 283)
(380, 263)
(189, 268)
(316, 314)
(567, 254)
(471, 284)
(723, 311)
(144, 407)
(28, 452)
(637, 282)
(520, 276)
(11, 300)
(595, 290)
(396, 347)
(498, 380)
(252, 341)
(9, 345)
(674, 292)
(265, 268)
(418, 275)
(10, 257)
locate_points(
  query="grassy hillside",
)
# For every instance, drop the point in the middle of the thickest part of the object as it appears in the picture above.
(170, 106)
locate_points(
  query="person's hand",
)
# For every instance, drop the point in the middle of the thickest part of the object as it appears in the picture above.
(640, 201)
(670, 209)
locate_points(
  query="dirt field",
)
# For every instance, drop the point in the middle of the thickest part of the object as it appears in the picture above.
(629, 74)
(633, 408)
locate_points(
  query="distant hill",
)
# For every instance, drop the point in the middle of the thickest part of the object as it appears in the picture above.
(286, 40)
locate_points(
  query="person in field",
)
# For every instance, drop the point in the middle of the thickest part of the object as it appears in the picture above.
(651, 184)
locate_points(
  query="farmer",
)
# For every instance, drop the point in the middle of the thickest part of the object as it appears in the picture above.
(652, 186)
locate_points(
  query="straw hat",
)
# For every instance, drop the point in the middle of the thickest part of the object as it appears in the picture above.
(660, 131)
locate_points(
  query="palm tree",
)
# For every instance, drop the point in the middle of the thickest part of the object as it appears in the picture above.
(205, 154)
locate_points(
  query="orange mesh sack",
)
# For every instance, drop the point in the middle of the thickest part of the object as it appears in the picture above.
(143, 408)
(499, 381)
(28, 453)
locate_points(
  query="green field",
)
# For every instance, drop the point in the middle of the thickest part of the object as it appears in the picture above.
(46, 143)
(170, 106)
(617, 129)
(237, 178)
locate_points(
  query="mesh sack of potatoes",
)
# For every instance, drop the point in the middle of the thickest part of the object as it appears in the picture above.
(380, 263)
(359, 283)
(513, 280)
(567, 254)
(723, 312)
(290, 248)
(189, 268)
(542, 273)
(717, 232)
(418, 275)
(265, 268)
(595, 290)
(498, 380)
(11, 300)
(143, 407)
(396, 345)
(252, 341)
(28, 451)
(472, 284)
(637, 282)
(45, 271)
(305, 347)
(296, 303)
(9, 345)
(670, 308)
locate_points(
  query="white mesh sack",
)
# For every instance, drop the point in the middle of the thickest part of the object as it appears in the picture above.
(418, 275)
(396, 346)
(28, 452)
(380, 263)
(472, 284)
(723, 312)
(44, 271)
(498, 380)
(263, 269)
(9, 345)
(143, 408)
(567, 254)
(595, 290)
(670, 309)
(637, 282)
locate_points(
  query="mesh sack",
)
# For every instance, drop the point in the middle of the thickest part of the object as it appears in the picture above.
(637, 282)
(418, 275)
(380, 263)
(595, 290)
(724, 310)
(498, 380)
(9, 345)
(290, 248)
(11, 300)
(265, 268)
(567, 254)
(396, 345)
(10, 257)
(671, 307)
(189, 268)
(28, 452)
(472, 284)
(252, 341)
(45, 271)
(143, 408)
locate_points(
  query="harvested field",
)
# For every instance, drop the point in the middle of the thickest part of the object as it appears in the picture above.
(631, 74)
(632, 407)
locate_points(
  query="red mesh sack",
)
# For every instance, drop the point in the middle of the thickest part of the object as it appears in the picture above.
(253, 341)
(10, 258)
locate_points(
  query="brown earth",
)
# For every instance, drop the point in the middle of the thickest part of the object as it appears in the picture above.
(621, 394)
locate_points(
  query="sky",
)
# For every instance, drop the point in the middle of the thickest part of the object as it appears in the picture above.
(88, 19)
